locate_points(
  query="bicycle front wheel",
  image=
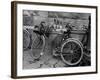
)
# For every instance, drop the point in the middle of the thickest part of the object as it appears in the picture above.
(72, 51)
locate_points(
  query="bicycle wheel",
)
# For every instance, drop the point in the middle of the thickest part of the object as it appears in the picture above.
(72, 51)
(38, 44)
(26, 39)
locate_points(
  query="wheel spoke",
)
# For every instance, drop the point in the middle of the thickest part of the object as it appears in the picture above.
(74, 59)
(76, 56)
(74, 46)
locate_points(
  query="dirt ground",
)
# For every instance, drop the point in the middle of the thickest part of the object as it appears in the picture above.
(45, 61)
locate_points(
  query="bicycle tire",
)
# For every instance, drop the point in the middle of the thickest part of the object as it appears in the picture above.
(77, 56)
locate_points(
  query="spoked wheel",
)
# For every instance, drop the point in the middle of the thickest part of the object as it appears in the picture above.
(38, 44)
(72, 51)
(26, 39)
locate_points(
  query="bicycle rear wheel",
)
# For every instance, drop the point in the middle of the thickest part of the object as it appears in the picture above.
(72, 51)
(38, 44)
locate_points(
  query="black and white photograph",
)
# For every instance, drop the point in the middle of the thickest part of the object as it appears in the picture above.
(56, 39)
(53, 39)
